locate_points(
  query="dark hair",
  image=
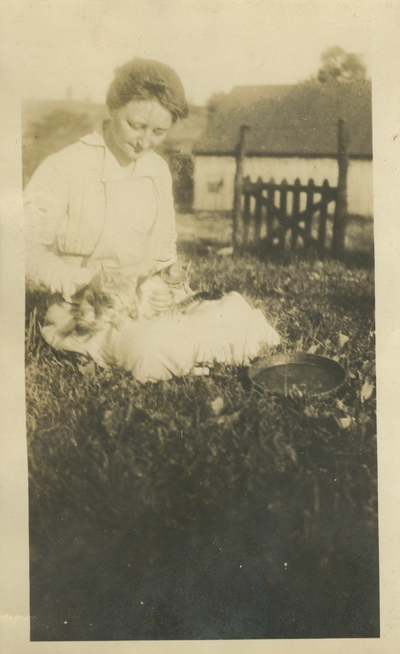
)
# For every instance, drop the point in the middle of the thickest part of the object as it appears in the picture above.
(144, 79)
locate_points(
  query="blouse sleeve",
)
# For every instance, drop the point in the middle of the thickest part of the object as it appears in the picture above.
(46, 200)
(166, 250)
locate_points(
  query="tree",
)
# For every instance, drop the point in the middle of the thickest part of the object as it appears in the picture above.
(341, 66)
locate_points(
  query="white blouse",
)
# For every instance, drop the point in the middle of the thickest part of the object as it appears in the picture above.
(131, 212)
(85, 212)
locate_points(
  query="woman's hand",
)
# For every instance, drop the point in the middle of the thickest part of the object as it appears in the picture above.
(160, 300)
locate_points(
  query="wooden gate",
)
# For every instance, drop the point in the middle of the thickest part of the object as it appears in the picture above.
(266, 215)
(255, 207)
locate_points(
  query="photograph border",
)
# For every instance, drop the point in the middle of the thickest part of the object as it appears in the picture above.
(14, 626)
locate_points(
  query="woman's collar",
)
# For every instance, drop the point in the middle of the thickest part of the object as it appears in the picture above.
(145, 166)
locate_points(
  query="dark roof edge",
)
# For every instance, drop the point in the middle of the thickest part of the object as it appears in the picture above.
(282, 155)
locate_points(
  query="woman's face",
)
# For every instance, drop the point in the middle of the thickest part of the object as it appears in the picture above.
(139, 126)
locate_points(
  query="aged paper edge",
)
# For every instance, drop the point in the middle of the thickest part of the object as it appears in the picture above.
(14, 595)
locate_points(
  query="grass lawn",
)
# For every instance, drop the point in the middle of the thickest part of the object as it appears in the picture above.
(201, 508)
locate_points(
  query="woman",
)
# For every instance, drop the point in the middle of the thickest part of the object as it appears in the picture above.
(100, 229)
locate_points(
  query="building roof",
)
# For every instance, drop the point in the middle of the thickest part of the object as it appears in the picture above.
(291, 120)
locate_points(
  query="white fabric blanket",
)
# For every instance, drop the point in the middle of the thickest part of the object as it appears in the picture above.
(154, 348)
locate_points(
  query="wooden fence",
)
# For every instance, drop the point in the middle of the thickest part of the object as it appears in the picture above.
(261, 213)
(276, 219)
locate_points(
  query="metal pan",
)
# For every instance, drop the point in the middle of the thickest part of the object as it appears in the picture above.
(309, 373)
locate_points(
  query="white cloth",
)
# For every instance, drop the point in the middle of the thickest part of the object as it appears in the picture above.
(225, 331)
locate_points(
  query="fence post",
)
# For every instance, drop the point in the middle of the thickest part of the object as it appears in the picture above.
(258, 212)
(295, 213)
(340, 217)
(270, 211)
(238, 185)
(323, 214)
(246, 212)
(309, 214)
(283, 214)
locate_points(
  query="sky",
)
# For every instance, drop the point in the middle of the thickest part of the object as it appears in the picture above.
(52, 45)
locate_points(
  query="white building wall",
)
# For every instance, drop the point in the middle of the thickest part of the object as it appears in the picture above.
(216, 171)
(214, 179)
(360, 188)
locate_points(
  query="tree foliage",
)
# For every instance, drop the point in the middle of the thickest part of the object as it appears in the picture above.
(341, 66)
(214, 102)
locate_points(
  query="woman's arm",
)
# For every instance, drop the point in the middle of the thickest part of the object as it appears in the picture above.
(46, 199)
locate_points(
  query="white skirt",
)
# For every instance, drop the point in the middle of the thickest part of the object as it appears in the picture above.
(226, 331)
